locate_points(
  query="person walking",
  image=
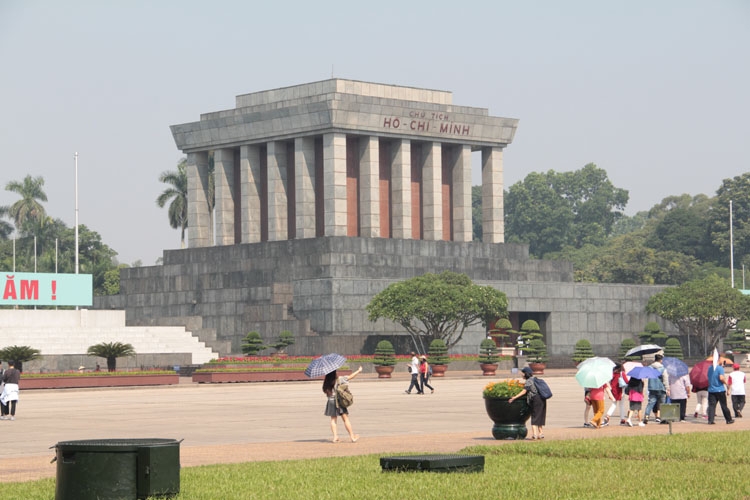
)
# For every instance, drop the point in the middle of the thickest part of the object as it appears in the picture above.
(658, 390)
(9, 396)
(634, 390)
(536, 403)
(679, 392)
(424, 375)
(597, 404)
(717, 393)
(333, 409)
(736, 383)
(414, 369)
(617, 384)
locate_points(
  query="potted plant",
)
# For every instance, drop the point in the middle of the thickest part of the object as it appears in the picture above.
(533, 346)
(385, 359)
(501, 333)
(509, 418)
(582, 351)
(438, 357)
(488, 357)
(111, 351)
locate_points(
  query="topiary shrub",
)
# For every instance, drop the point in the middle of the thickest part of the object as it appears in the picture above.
(625, 346)
(385, 355)
(501, 332)
(285, 339)
(438, 352)
(673, 348)
(652, 334)
(252, 344)
(537, 351)
(488, 352)
(737, 339)
(582, 351)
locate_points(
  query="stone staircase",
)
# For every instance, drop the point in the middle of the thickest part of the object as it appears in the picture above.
(60, 333)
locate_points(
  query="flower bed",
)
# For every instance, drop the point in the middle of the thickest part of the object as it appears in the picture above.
(96, 379)
(208, 376)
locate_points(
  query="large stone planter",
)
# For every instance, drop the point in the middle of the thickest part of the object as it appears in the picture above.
(488, 369)
(439, 370)
(509, 418)
(384, 371)
(537, 368)
(77, 382)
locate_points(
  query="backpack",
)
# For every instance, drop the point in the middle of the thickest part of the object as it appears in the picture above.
(344, 397)
(542, 388)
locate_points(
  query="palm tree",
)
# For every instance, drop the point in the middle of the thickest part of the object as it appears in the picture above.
(111, 351)
(28, 209)
(177, 192)
(20, 354)
(6, 228)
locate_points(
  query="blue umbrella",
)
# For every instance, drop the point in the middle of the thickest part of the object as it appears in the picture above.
(643, 372)
(324, 365)
(675, 367)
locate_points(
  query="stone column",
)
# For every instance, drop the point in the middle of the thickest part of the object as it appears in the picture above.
(401, 189)
(224, 196)
(199, 233)
(369, 199)
(277, 198)
(462, 227)
(334, 183)
(432, 215)
(493, 226)
(250, 193)
(304, 171)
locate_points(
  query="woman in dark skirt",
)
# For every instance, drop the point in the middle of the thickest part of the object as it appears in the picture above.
(332, 409)
(536, 403)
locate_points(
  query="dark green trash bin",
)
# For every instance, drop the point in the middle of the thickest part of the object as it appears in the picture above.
(117, 469)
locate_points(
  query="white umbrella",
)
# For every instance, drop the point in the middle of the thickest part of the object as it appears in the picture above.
(641, 350)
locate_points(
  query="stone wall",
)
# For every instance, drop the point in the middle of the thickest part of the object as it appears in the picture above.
(318, 288)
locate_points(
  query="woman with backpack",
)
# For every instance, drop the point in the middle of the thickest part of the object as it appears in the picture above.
(424, 375)
(334, 409)
(536, 403)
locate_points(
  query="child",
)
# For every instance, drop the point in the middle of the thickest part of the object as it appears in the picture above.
(634, 390)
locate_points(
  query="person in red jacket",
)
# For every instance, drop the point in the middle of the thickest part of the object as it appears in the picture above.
(617, 384)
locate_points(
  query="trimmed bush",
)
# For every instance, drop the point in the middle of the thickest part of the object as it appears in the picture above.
(582, 351)
(488, 352)
(385, 355)
(673, 348)
(438, 352)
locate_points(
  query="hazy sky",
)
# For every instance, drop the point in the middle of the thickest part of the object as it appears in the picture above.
(655, 93)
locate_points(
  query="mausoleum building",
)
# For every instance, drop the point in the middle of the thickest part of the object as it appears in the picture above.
(327, 192)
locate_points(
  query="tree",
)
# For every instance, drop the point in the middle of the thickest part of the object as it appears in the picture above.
(551, 210)
(437, 306)
(476, 213)
(682, 224)
(252, 344)
(284, 340)
(111, 351)
(20, 354)
(706, 309)
(177, 193)
(736, 190)
(28, 212)
(6, 228)
(737, 339)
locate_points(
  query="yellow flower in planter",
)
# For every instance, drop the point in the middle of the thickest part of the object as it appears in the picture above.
(503, 388)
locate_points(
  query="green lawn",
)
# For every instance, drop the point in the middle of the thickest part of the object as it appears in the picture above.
(682, 466)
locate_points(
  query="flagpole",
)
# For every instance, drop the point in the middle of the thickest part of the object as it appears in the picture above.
(731, 243)
(76, 196)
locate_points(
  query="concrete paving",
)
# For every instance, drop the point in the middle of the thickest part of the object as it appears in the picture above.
(223, 423)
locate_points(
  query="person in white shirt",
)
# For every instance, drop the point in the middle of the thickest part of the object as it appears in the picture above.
(414, 369)
(736, 383)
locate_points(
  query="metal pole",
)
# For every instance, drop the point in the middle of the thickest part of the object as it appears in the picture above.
(731, 243)
(76, 195)
(14, 254)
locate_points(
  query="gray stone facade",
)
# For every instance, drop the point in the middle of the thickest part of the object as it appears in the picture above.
(318, 288)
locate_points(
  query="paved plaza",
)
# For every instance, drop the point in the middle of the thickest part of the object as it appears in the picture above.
(223, 423)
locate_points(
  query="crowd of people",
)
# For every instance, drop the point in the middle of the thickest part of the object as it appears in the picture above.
(655, 391)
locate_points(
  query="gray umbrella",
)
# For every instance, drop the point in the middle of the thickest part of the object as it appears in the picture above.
(324, 365)
(641, 350)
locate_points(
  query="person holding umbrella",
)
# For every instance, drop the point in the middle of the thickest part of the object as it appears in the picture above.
(658, 389)
(333, 409)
